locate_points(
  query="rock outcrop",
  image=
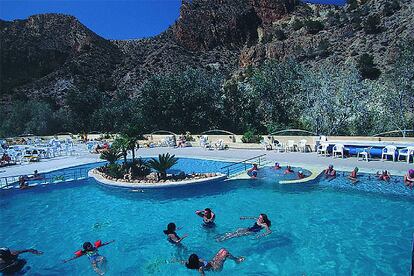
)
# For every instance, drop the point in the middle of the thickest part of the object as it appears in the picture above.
(45, 56)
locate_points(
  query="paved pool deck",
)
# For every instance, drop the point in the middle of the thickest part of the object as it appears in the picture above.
(306, 160)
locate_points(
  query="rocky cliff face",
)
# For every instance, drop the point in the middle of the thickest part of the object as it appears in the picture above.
(47, 55)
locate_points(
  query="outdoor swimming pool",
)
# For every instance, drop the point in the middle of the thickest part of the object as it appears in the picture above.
(317, 228)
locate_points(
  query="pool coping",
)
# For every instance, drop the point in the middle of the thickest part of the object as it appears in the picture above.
(123, 184)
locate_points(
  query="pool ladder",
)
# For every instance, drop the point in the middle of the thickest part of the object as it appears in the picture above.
(244, 165)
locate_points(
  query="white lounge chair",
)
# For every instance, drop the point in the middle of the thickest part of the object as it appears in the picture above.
(338, 149)
(407, 153)
(266, 145)
(389, 151)
(365, 153)
(204, 142)
(279, 147)
(219, 145)
(322, 149)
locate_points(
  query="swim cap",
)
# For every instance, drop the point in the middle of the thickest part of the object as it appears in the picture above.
(356, 169)
(411, 172)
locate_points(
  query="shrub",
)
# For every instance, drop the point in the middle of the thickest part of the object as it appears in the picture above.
(250, 137)
(140, 168)
(372, 25)
(390, 8)
(313, 26)
(297, 25)
(367, 67)
(115, 171)
(352, 4)
(280, 35)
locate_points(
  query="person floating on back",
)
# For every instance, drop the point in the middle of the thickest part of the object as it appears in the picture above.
(353, 176)
(216, 264)
(208, 217)
(98, 262)
(330, 173)
(384, 175)
(172, 236)
(262, 222)
(10, 262)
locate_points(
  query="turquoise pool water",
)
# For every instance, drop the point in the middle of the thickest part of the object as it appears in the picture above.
(318, 229)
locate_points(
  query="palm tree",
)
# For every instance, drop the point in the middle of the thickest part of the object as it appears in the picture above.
(121, 143)
(164, 162)
(132, 144)
(111, 155)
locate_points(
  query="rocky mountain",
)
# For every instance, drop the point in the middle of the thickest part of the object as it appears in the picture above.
(45, 56)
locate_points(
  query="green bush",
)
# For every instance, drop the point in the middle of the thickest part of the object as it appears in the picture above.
(313, 26)
(139, 168)
(297, 25)
(391, 7)
(372, 25)
(280, 35)
(367, 67)
(250, 137)
(115, 171)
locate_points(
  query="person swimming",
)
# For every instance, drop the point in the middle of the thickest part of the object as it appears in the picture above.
(216, 264)
(262, 222)
(277, 166)
(98, 261)
(330, 172)
(10, 262)
(288, 170)
(353, 176)
(208, 217)
(172, 236)
(301, 175)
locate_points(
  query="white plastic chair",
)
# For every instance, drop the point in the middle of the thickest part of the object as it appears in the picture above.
(338, 149)
(389, 151)
(407, 153)
(290, 146)
(322, 149)
(366, 154)
(266, 145)
(219, 145)
(302, 145)
(204, 142)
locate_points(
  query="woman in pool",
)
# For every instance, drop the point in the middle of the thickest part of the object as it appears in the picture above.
(98, 262)
(216, 264)
(384, 175)
(208, 217)
(288, 170)
(354, 176)
(172, 236)
(409, 178)
(252, 172)
(330, 172)
(262, 222)
(301, 175)
(277, 166)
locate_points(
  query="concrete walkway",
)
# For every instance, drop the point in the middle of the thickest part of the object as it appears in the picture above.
(306, 160)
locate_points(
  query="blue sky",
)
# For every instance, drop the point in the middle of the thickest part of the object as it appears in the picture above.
(111, 19)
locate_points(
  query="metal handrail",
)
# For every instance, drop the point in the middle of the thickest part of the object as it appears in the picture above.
(292, 130)
(403, 132)
(66, 175)
(230, 167)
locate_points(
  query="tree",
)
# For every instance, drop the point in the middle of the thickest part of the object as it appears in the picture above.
(121, 144)
(367, 67)
(164, 162)
(335, 99)
(372, 24)
(393, 101)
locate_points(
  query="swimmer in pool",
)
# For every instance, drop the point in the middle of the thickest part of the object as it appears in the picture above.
(409, 178)
(353, 176)
(277, 166)
(216, 264)
(262, 222)
(98, 261)
(384, 175)
(330, 173)
(172, 236)
(301, 175)
(288, 170)
(208, 217)
(10, 262)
